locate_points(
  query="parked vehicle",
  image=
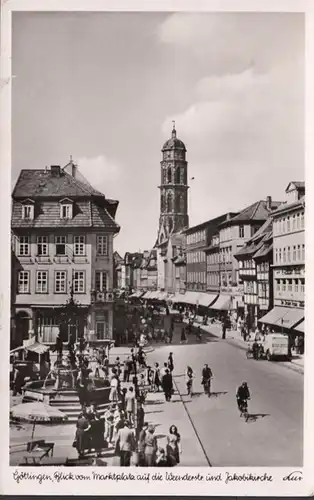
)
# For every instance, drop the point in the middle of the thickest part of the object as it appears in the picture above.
(275, 346)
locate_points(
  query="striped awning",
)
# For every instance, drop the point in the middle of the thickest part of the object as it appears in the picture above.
(223, 303)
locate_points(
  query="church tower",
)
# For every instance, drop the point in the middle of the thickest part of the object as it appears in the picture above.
(173, 188)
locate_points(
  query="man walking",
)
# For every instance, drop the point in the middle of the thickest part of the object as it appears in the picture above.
(130, 404)
(167, 385)
(126, 444)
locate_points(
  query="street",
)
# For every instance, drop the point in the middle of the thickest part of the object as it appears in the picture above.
(273, 434)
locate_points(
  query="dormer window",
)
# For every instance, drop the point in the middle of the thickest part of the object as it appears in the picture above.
(66, 209)
(28, 209)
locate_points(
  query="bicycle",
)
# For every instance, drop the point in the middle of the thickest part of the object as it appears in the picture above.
(207, 385)
(243, 407)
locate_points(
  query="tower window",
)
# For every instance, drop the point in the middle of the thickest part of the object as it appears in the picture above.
(169, 175)
(169, 203)
(181, 204)
(178, 175)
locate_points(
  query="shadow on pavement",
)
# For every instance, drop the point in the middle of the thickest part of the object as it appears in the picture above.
(151, 412)
(253, 417)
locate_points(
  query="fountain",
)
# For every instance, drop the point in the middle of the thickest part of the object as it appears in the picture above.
(59, 390)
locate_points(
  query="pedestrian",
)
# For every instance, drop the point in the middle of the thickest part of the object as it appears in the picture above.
(118, 367)
(224, 328)
(82, 438)
(150, 447)
(106, 365)
(141, 444)
(167, 385)
(170, 362)
(174, 446)
(109, 424)
(163, 370)
(97, 431)
(183, 339)
(126, 374)
(18, 381)
(113, 396)
(122, 398)
(130, 404)
(82, 388)
(140, 417)
(189, 380)
(126, 444)
(156, 378)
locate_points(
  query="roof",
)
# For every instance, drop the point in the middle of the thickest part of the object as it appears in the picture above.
(41, 183)
(86, 214)
(260, 240)
(174, 142)
(265, 249)
(211, 222)
(258, 211)
(297, 184)
(289, 206)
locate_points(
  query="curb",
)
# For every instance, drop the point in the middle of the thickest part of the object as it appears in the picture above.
(147, 351)
(291, 366)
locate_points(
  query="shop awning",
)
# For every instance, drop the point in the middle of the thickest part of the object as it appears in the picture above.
(177, 298)
(291, 317)
(162, 296)
(136, 294)
(223, 303)
(38, 348)
(300, 327)
(147, 295)
(205, 299)
(274, 315)
(191, 298)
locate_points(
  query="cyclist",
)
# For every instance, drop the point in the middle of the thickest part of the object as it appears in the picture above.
(243, 395)
(207, 375)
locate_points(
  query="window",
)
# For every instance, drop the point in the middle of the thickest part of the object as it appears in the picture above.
(276, 255)
(288, 255)
(79, 245)
(60, 245)
(42, 245)
(284, 255)
(302, 220)
(60, 281)
(101, 281)
(79, 281)
(278, 285)
(169, 175)
(102, 245)
(293, 223)
(303, 252)
(100, 330)
(294, 253)
(65, 211)
(298, 221)
(23, 282)
(302, 286)
(299, 253)
(27, 211)
(296, 286)
(283, 285)
(41, 282)
(289, 285)
(24, 245)
(241, 231)
(288, 224)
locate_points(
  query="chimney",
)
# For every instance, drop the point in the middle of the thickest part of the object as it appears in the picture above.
(74, 168)
(268, 202)
(55, 170)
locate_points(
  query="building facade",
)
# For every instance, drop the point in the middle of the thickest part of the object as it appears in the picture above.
(63, 256)
(255, 271)
(289, 257)
(234, 233)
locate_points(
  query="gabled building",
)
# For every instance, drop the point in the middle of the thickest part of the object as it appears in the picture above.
(233, 235)
(287, 314)
(63, 233)
(255, 271)
(117, 271)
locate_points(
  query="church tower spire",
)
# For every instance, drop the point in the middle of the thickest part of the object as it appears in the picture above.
(173, 188)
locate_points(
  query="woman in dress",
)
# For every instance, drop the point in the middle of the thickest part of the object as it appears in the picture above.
(113, 396)
(174, 446)
(156, 379)
(82, 434)
(189, 376)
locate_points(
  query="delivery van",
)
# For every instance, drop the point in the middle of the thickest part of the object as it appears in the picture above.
(276, 346)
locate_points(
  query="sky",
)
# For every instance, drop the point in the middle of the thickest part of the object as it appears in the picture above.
(105, 87)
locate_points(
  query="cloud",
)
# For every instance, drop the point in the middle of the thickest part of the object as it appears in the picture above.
(243, 125)
(102, 173)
